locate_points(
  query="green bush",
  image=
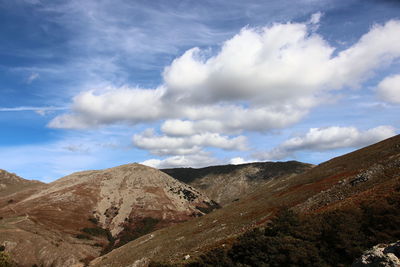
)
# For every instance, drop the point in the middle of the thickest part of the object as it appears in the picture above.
(82, 236)
(5, 260)
(132, 230)
(96, 231)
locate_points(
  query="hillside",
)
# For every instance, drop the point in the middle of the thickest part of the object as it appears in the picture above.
(76, 217)
(368, 174)
(227, 183)
(11, 183)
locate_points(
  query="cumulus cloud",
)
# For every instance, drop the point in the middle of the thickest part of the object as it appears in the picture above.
(260, 80)
(389, 89)
(112, 105)
(321, 139)
(196, 161)
(183, 145)
(277, 73)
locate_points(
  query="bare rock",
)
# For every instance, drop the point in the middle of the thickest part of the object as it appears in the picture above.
(381, 255)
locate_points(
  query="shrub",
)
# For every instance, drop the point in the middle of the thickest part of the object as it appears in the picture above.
(93, 220)
(82, 236)
(5, 260)
(97, 231)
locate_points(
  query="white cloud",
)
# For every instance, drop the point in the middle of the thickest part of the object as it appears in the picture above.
(39, 110)
(113, 105)
(32, 77)
(178, 127)
(184, 145)
(276, 63)
(376, 48)
(239, 160)
(196, 161)
(261, 79)
(322, 139)
(389, 89)
(315, 18)
(281, 63)
(276, 73)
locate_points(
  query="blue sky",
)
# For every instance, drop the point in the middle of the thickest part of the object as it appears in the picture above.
(95, 84)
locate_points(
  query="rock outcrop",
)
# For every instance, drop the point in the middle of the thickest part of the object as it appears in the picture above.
(382, 255)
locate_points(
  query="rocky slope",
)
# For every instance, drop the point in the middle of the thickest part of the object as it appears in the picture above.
(11, 183)
(370, 173)
(72, 219)
(386, 255)
(227, 183)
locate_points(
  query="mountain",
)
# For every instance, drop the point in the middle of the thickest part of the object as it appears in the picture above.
(11, 183)
(227, 183)
(76, 217)
(369, 174)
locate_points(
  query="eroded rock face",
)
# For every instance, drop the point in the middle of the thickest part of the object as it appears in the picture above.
(78, 216)
(381, 255)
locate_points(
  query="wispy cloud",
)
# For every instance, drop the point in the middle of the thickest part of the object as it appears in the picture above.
(70, 152)
(32, 77)
(36, 109)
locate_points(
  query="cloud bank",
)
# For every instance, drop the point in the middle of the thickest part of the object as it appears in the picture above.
(261, 79)
(322, 139)
(275, 74)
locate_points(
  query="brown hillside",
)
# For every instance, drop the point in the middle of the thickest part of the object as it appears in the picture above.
(10, 183)
(76, 217)
(368, 173)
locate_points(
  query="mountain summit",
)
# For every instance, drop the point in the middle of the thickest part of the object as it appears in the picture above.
(77, 216)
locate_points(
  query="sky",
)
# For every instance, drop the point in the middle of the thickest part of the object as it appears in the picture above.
(184, 83)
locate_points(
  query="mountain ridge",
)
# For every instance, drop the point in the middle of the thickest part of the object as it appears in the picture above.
(228, 183)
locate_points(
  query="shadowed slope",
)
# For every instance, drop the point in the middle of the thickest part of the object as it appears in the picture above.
(227, 183)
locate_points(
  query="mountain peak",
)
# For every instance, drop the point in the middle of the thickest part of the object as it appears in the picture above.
(125, 201)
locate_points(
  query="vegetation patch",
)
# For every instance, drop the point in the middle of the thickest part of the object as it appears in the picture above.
(95, 231)
(5, 260)
(93, 220)
(83, 236)
(131, 232)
